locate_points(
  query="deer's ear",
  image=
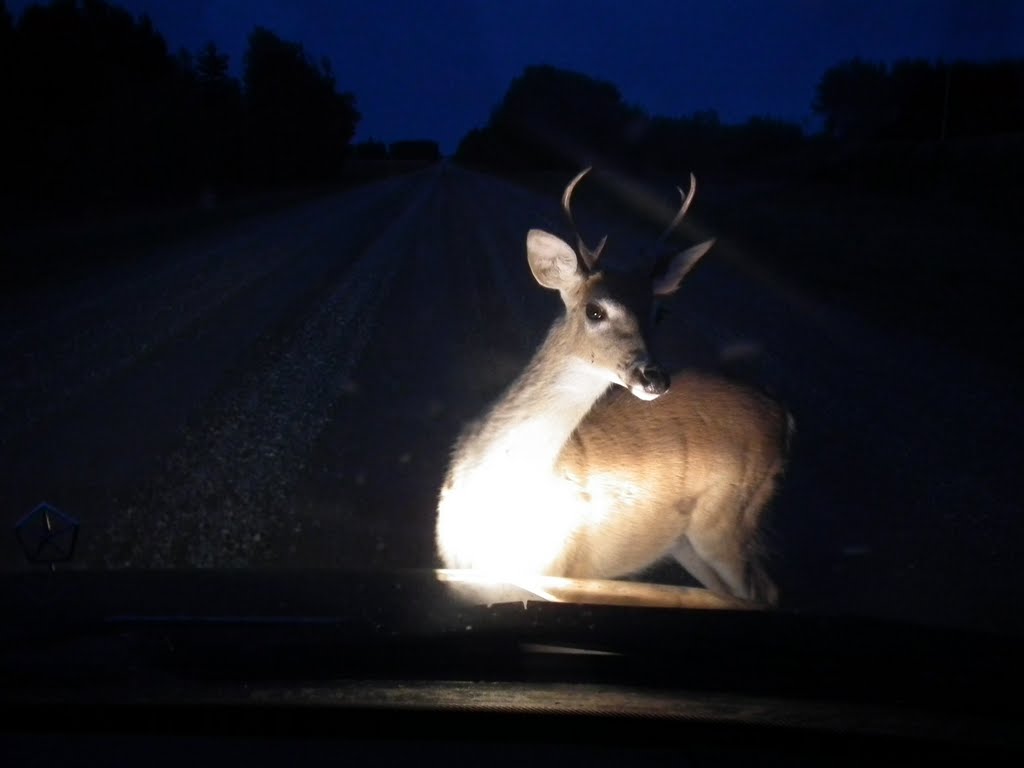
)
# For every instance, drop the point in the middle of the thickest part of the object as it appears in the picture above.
(668, 282)
(552, 260)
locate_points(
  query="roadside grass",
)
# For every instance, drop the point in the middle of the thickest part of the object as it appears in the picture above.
(932, 265)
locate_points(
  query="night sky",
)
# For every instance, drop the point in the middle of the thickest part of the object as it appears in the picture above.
(436, 69)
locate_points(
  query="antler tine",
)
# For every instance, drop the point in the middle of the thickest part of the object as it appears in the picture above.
(567, 195)
(687, 199)
(588, 255)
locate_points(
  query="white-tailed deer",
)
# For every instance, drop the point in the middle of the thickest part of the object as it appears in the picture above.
(566, 475)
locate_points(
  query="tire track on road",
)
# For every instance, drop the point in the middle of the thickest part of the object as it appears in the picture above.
(224, 498)
(58, 353)
(359, 496)
(87, 456)
(438, 355)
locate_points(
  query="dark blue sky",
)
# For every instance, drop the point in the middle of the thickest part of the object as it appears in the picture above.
(435, 68)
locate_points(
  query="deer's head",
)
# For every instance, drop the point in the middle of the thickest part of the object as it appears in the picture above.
(609, 313)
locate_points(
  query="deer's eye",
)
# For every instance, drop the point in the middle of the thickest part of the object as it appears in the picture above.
(594, 312)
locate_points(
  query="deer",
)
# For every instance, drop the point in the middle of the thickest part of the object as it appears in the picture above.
(595, 463)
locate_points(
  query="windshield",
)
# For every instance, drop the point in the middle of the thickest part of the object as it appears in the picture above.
(308, 285)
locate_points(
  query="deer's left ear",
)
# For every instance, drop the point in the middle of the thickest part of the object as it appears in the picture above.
(668, 281)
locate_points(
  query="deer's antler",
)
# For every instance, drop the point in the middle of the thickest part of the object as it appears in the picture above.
(588, 255)
(687, 198)
(660, 259)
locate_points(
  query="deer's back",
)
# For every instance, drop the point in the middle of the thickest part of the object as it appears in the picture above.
(644, 468)
(704, 430)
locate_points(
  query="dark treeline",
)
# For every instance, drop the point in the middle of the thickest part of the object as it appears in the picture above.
(99, 110)
(555, 119)
(871, 114)
(916, 100)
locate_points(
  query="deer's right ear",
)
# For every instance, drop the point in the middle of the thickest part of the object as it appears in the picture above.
(552, 260)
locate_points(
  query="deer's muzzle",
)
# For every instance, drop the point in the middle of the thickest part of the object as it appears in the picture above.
(649, 381)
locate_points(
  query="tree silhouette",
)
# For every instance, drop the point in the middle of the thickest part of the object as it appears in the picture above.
(7, 60)
(555, 119)
(854, 99)
(218, 123)
(91, 86)
(918, 100)
(298, 124)
(551, 118)
(212, 66)
(98, 111)
(6, 38)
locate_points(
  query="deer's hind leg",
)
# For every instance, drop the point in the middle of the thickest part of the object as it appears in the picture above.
(720, 548)
(695, 565)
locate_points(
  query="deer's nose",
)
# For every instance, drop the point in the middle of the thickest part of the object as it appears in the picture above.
(654, 379)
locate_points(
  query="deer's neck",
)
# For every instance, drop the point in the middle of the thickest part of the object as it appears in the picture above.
(529, 425)
(502, 506)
